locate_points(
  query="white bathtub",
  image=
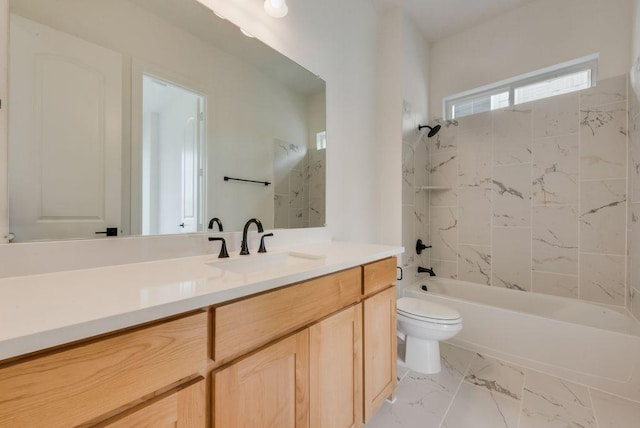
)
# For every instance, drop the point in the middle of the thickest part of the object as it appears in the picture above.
(576, 340)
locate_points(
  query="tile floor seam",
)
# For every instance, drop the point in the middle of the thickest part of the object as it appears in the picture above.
(593, 408)
(524, 383)
(455, 394)
(613, 394)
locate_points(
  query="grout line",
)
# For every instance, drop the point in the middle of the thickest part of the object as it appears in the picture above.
(521, 408)
(593, 408)
(573, 275)
(580, 204)
(627, 284)
(455, 394)
(588, 180)
(602, 254)
(457, 183)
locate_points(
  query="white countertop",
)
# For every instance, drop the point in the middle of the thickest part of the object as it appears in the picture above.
(41, 311)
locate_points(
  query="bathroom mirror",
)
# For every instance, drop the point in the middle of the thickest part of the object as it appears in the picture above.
(125, 116)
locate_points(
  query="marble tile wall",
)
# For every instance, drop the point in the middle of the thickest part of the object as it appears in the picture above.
(536, 196)
(633, 214)
(299, 185)
(415, 206)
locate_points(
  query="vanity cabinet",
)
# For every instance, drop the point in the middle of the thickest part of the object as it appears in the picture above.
(319, 353)
(310, 379)
(346, 325)
(74, 386)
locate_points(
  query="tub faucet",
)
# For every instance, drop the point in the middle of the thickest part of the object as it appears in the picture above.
(244, 246)
(217, 221)
(425, 270)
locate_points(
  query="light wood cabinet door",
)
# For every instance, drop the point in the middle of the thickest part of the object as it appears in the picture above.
(267, 389)
(184, 408)
(335, 364)
(72, 386)
(379, 350)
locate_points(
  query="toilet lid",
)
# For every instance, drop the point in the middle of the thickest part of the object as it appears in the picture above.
(418, 308)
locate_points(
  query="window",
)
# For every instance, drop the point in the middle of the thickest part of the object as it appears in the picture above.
(321, 140)
(558, 79)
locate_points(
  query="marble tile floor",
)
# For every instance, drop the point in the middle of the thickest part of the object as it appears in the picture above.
(476, 391)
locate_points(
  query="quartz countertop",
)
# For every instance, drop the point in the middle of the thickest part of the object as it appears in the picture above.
(41, 311)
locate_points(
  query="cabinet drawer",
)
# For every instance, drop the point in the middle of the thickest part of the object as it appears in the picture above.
(185, 408)
(379, 275)
(75, 385)
(250, 323)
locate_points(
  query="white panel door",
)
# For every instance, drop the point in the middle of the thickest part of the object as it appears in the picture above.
(64, 134)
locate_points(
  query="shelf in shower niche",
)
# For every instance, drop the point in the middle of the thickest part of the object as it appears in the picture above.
(435, 188)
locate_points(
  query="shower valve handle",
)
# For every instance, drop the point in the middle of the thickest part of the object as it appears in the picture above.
(420, 246)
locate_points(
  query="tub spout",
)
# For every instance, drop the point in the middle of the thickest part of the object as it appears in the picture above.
(425, 270)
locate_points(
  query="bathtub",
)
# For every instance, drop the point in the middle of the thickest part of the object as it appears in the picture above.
(579, 341)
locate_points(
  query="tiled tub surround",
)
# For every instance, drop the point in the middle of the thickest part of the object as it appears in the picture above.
(477, 391)
(299, 185)
(538, 196)
(581, 341)
(415, 205)
(633, 215)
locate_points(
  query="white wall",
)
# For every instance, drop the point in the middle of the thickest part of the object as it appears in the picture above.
(540, 34)
(402, 72)
(415, 70)
(4, 121)
(389, 123)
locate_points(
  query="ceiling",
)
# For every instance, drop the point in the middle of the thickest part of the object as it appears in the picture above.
(437, 19)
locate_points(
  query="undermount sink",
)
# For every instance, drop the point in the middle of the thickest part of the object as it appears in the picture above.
(265, 262)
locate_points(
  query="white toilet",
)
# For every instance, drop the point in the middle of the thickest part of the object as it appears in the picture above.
(422, 324)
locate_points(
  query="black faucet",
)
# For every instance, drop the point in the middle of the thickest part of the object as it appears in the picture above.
(223, 249)
(218, 222)
(263, 249)
(425, 270)
(244, 246)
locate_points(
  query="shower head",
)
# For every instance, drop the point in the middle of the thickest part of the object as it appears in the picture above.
(432, 130)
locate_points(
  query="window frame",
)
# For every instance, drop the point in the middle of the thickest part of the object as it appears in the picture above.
(589, 62)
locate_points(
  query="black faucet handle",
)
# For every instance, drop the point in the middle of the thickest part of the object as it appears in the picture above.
(262, 248)
(223, 248)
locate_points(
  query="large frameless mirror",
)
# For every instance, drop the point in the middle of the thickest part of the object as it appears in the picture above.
(146, 117)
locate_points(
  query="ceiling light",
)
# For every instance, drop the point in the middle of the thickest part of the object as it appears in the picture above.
(246, 33)
(276, 8)
(219, 15)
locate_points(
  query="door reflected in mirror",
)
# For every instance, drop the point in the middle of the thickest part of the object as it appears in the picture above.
(172, 158)
(127, 114)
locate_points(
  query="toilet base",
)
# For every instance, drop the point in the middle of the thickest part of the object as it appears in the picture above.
(422, 356)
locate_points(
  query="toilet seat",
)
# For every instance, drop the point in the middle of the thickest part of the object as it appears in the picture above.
(430, 312)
